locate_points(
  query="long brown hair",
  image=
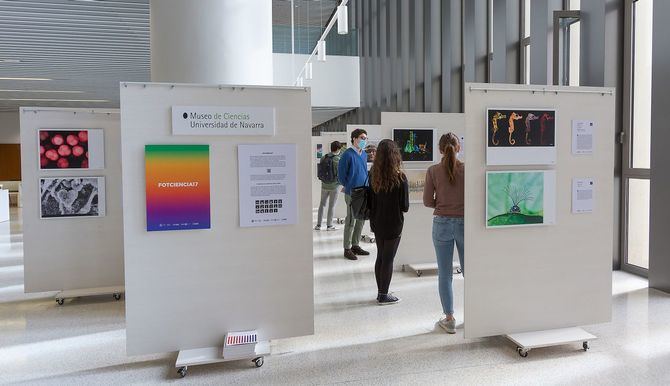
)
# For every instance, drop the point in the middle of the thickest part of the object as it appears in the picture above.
(448, 144)
(386, 171)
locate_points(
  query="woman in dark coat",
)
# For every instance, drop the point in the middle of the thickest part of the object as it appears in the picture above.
(389, 198)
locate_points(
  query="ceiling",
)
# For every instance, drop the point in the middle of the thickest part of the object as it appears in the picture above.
(86, 47)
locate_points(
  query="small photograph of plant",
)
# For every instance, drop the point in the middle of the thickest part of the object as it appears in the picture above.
(514, 198)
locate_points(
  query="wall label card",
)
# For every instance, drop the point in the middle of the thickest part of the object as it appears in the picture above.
(268, 184)
(71, 149)
(223, 120)
(177, 187)
(520, 198)
(582, 137)
(72, 197)
(583, 195)
(520, 136)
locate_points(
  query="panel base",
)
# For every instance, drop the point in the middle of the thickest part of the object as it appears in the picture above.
(67, 294)
(209, 355)
(529, 340)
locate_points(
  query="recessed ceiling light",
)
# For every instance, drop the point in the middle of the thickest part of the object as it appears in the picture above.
(53, 100)
(10, 78)
(44, 91)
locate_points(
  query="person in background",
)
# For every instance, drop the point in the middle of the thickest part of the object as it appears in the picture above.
(444, 191)
(371, 150)
(389, 199)
(353, 172)
(329, 184)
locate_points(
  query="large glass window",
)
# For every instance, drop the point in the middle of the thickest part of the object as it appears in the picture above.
(638, 223)
(309, 20)
(642, 31)
(637, 135)
(525, 42)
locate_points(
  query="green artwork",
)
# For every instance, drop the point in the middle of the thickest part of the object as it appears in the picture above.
(514, 198)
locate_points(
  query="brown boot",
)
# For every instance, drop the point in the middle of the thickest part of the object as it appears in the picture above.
(359, 251)
(348, 254)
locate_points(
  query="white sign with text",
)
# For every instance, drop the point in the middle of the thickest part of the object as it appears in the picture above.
(223, 120)
(268, 184)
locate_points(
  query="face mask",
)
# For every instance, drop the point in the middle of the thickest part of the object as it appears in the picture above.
(362, 143)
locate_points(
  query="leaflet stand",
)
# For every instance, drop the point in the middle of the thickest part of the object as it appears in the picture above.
(529, 340)
(204, 356)
(68, 294)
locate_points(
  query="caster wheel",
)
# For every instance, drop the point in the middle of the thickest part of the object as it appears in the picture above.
(182, 371)
(419, 273)
(259, 361)
(523, 353)
(585, 345)
(458, 270)
(60, 301)
(117, 296)
(372, 240)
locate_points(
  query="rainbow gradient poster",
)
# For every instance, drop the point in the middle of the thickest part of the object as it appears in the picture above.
(177, 178)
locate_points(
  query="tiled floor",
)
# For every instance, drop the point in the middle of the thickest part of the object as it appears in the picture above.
(356, 342)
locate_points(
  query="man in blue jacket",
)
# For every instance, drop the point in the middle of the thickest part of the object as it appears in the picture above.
(352, 173)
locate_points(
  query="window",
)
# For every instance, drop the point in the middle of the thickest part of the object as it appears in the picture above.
(637, 136)
(525, 42)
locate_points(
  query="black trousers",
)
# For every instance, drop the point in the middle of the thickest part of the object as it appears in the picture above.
(386, 250)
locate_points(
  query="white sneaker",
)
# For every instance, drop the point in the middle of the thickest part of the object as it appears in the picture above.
(331, 228)
(448, 325)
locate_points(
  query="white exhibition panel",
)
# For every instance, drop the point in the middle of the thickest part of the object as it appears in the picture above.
(416, 246)
(543, 277)
(4, 205)
(187, 289)
(71, 253)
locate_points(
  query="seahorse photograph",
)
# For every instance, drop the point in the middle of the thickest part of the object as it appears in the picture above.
(514, 198)
(521, 127)
(416, 145)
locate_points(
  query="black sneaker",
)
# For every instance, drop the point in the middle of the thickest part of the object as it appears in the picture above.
(359, 251)
(348, 254)
(386, 299)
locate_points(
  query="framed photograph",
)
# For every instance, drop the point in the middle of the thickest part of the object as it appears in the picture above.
(416, 145)
(520, 136)
(416, 179)
(71, 149)
(520, 198)
(72, 197)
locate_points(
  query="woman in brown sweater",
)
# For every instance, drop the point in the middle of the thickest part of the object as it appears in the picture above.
(444, 191)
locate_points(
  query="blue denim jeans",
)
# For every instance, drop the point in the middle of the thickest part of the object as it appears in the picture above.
(446, 232)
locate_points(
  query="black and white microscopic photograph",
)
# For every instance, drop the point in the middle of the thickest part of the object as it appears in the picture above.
(72, 197)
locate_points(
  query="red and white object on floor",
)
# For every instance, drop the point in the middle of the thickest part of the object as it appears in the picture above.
(240, 344)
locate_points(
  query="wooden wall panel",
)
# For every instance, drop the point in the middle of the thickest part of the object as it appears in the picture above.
(10, 162)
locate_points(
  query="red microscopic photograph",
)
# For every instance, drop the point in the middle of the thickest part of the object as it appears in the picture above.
(63, 149)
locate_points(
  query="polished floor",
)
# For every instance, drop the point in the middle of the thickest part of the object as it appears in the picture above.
(356, 342)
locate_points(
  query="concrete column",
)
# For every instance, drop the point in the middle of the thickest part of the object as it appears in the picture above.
(211, 41)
